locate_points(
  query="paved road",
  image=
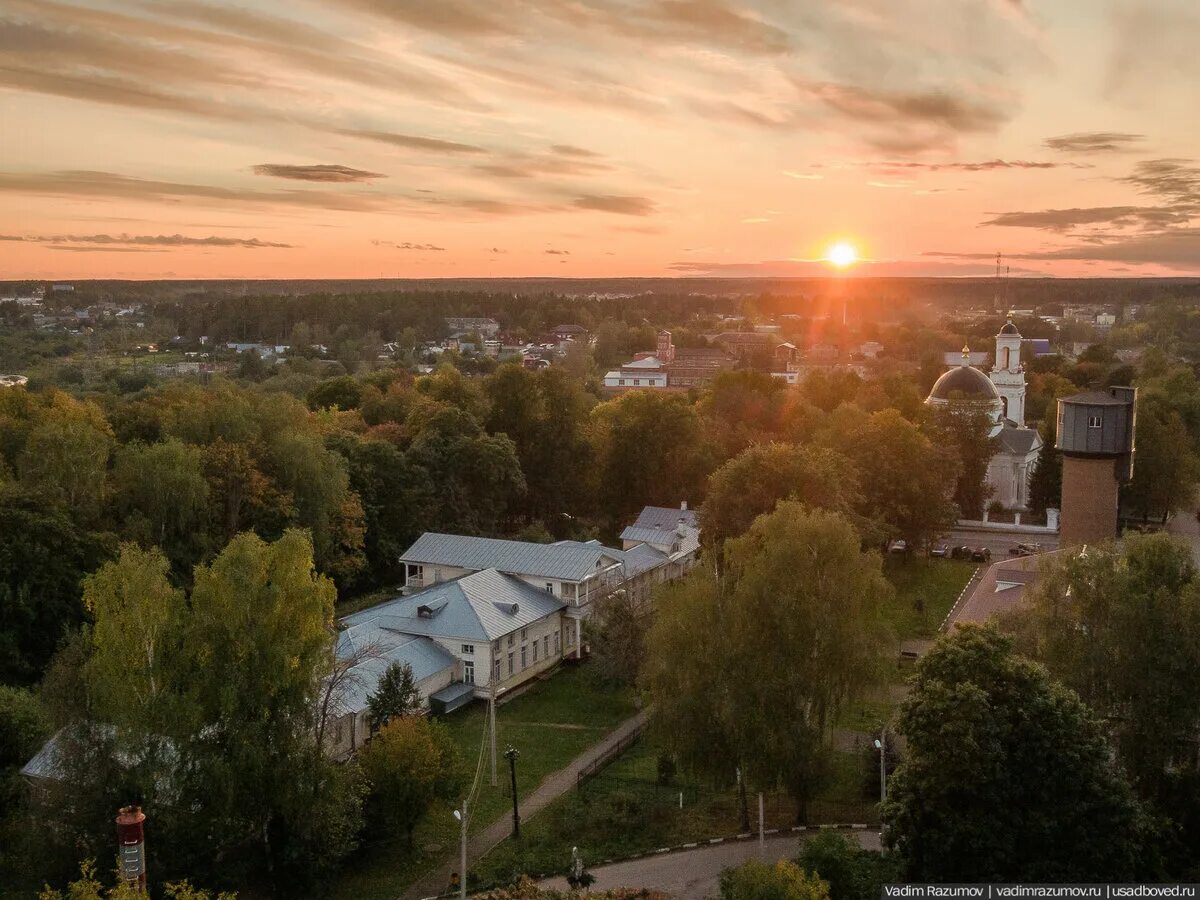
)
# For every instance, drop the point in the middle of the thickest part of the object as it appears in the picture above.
(552, 786)
(998, 542)
(694, 874)
(1184, 524)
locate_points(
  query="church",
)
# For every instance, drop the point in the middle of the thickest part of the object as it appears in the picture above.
(1011, 468)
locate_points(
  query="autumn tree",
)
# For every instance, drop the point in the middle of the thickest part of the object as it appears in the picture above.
(407, 765)
(1007, 776)
(756, 880)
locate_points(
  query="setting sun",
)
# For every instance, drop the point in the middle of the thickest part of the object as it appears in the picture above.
(842, 254)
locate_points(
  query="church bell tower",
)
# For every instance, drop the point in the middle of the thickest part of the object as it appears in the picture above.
(1008, 375)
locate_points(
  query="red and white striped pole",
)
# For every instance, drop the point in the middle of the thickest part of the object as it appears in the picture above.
(131, 840)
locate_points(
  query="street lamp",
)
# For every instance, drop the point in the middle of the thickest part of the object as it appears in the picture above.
(881, 746)
(511, 755)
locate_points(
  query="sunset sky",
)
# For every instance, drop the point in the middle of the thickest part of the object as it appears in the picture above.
(369, 138)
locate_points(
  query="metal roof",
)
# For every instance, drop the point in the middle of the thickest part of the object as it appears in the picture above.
(481, 606)
(566, 560)
(643, 558)
(665, 517)
(1019, 440)
(380, 647)
(649, 535)
(1094, 398)
(966, 380)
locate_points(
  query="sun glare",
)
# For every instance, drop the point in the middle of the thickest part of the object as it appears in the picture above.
(842, 254)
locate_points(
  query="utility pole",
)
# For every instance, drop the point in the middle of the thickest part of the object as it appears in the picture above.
(882, 745)
(511, 755)
(762, 834)
(461, 815)
(492, 721)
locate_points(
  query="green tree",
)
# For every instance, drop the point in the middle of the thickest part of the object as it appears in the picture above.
(755, 480)
(798, 599)
(395, 697)
(407, 766)
(43, 557)
(1166, 468)
(476, 476)
(1121, 626)
(617, 637)
(964, 426)
(397, 499)
(650, 449)
(1007, 776)
(907, 481)
(1045, 485)
(162, 485)
(342, 392)
(851, 872)
(66, 458)
(89, 887)
(755, 880)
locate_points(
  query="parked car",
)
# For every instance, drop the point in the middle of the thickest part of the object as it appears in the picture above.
(1025, 549)
(939, 551)
(960, 553)
(981, 554)
(898, 547)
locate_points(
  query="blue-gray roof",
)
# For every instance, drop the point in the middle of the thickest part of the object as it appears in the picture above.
(482, 606)
(642, 558)
(647, 535)
(566, 560)
(665, 517)
(378, 648)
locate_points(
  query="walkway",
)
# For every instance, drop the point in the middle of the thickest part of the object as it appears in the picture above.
(695, 874)
(553, 786)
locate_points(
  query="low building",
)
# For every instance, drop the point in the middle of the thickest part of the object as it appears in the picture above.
(669, 366)
(484, 327)
(463, 639)
(1000, 589)
(570, 333)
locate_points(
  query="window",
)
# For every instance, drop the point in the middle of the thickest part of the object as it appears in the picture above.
(416, 573)
(568, 590)
(522, 657)
(437, 575)
(549, 587)
(469, 672)
(620, 381)
(546, 645)
(556, 643)
(496, 669)
(468, 649)
(535, 651)
(511, 638)
(637, 381)
(522, 634)
(1093, 421)
(510, 663)
(496, 645)
(570, 634)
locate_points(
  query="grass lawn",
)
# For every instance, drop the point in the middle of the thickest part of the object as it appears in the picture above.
(550, 724)
(931, 584)
(623, 811)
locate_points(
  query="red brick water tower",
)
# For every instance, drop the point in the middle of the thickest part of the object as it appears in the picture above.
(1096, 437)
